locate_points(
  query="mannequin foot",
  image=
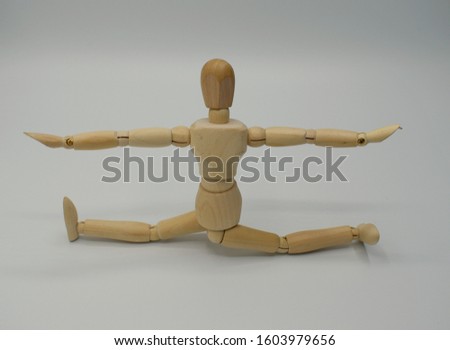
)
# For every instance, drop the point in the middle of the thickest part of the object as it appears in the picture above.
(71, 219)
(368, 233)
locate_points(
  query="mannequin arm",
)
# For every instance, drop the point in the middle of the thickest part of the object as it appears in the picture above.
(148, 137)
(281, 136)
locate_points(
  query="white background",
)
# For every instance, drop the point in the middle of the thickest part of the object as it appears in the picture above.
(73, 66)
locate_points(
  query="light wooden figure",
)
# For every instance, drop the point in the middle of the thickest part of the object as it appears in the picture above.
(218, 204)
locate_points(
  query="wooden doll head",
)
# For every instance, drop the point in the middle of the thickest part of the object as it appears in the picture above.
(217, 81)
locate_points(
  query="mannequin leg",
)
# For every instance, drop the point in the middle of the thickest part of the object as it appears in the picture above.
(294, 243)
(130, 231)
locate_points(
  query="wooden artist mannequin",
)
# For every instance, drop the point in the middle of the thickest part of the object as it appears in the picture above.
(218, 203)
